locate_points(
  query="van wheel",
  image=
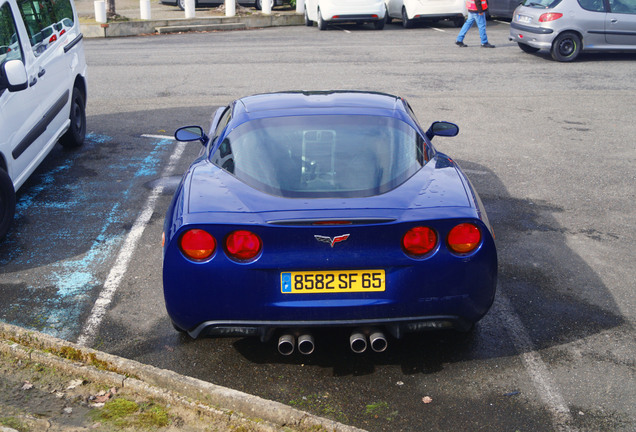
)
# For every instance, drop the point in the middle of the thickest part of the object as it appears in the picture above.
(7, 202)
(406, 22)
(566, 47)
(322, 24)
(74, 136)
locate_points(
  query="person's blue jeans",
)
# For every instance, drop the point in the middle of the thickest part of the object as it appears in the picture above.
(481, 25)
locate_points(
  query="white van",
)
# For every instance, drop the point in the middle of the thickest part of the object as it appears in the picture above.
(42, 89)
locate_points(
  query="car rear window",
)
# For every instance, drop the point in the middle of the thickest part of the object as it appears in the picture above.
(322, 155)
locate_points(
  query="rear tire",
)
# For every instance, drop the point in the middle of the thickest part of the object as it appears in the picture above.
(566, 47)
(322, 24)
(7, 203)
(527, 48)
(379, 25)
(406, 22)
(74, 136)
(308, 22)
(459, 22)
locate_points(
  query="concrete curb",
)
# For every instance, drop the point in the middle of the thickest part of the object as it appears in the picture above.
(158, 383)
(135, 28)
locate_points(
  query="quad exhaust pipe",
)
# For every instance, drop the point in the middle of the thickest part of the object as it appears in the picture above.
(287, 343)
(359, 341)
(376, 339)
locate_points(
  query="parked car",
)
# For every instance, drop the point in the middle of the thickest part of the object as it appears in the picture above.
(412, 11)
(567, 27)
(326, 12)
(42, 90)
(258, 4)
(502, 8)
(309, 210)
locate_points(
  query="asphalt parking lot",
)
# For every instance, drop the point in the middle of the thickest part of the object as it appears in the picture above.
(549, 146)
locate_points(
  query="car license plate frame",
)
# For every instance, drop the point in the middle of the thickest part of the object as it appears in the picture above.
(523, 19)
(332, 281)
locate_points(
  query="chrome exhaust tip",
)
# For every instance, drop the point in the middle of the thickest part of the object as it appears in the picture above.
(358, 342)
(378, 341)
(306, 344)
(286, 344)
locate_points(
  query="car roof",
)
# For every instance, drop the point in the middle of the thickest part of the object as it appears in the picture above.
(305, 102)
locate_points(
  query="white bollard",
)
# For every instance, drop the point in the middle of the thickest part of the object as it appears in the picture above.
(300, 6)
(144, 9)
(267, 7)
(190, 9)
(100, 11)
(230, 8)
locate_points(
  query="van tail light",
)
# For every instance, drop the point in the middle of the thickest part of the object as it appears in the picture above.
(53, 38)
(464, 238)
(197, 244)
(243, 245)
(62, 32)
(550, 16)
(419, 241)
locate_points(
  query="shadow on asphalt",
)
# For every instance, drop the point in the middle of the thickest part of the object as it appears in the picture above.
(552, 290)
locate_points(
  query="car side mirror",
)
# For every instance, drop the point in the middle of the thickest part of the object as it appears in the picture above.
(191, 133)
(442, 128)
(14, 76)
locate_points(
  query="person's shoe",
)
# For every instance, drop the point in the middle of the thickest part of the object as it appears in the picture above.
(460, 44)
(487, 45)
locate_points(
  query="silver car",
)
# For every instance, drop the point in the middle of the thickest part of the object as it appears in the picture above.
(566, 27)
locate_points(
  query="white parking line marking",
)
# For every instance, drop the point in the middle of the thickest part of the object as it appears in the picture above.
(158, 136)
(534, 365)
(118, 271)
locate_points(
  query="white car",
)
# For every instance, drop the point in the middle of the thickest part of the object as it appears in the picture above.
(42, 90)
(411, 11)
(326, 12)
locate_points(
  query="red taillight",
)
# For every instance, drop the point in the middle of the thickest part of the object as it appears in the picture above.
(52, 38)
(419, 241)
(197, 244)
(243, 245)
(464, 238)
(62, 32)
(550, 16)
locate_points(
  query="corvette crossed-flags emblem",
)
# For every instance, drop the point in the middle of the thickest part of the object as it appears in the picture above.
(331, 240)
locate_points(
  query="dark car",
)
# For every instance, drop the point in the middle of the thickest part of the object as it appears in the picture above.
(308, 210)
(502, 8)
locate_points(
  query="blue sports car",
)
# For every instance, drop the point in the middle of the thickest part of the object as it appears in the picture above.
(308, 210)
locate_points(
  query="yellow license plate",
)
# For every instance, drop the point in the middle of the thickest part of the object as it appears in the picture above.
(320, 282)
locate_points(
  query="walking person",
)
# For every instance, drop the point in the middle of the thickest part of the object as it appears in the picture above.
(476, 13)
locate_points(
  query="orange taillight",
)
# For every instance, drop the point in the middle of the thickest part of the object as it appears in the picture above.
(464, 238)
(197, 244)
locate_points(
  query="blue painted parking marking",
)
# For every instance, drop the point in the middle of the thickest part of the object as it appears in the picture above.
(55, 260)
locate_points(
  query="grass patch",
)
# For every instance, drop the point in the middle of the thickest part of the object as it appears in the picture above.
(320, 405)
(381, 410)
(13, 423)
(122, 413)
